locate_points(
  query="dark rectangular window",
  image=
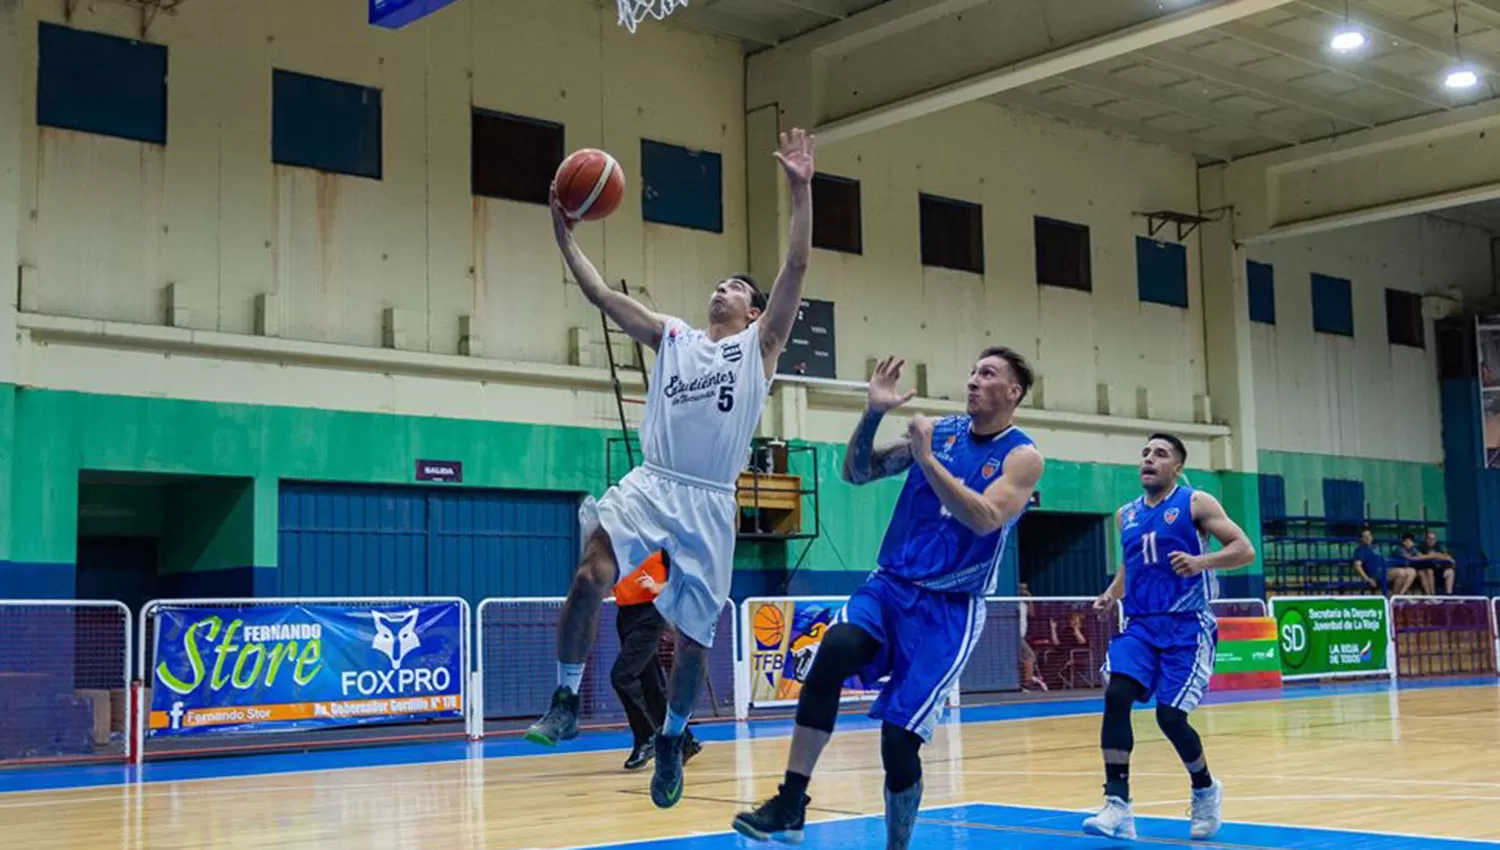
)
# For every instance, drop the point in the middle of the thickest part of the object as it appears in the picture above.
(1403, 319)
(103, 84)
(681, 186)
(1062, 254)
(836, 221)
(1161, 272)
(325, 124)
(1333, 305)
(1261, 280)
(513, 157)
(952, 234)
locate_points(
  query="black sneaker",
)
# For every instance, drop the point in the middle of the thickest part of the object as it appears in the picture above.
(666, 785)
(690, 746)
(560, 723)
(641, 753)
(778, 819)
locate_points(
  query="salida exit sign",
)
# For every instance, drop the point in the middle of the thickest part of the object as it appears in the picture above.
(450, 471)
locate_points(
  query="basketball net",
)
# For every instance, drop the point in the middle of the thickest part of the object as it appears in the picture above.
(633, 12)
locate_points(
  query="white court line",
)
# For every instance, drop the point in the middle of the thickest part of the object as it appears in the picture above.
(1237, 798)
(1383, 780)
(1224, 708)
(1278, 825)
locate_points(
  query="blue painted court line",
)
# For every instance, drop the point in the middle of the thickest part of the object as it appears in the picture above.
(511, 746)
(983, 826)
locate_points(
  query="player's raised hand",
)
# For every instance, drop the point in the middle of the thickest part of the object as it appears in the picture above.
(883, 395)
(796, 156)
(562, 225)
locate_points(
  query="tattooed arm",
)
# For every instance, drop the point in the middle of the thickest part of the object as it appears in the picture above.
(863, 462)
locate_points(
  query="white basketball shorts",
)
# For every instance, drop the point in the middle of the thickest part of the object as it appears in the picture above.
(693, 520)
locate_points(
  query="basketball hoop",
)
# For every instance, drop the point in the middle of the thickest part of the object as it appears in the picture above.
(632, 12)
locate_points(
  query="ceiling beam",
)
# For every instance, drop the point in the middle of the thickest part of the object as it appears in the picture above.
(877, 24)
(1487, 9)
(1265, 89)
(1441, 45)
(1181, 142)
(1368, 74)
(712, 20)
(1201, 16)
(821, 8)
(1121, 87)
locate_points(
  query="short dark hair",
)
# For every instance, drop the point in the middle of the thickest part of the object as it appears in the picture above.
(1407, 534)
(1017, 363)
(757, 298)
(1177, 445)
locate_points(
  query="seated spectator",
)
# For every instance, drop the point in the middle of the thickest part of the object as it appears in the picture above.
(1374, 570)
(1433, 561)
(1406, 555)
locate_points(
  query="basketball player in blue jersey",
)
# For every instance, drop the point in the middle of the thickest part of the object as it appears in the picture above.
(1167, 649)
(919, 615)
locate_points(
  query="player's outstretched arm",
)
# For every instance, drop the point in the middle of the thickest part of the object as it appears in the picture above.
(796, 158)
(1002, 501)
(1209, 516)
(863, 462)
(634, 318)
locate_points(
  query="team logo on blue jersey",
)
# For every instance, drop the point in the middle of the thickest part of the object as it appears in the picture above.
(991, 467)
(1170, 516)
(1130, 518)
(952, 438)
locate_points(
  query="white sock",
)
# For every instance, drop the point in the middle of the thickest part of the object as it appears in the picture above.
(570, 676)
(675, 725)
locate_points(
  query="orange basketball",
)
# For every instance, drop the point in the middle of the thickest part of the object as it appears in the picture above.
(769, 626)
(590, 184)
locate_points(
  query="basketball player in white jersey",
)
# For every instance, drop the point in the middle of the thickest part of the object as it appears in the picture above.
(707, 390)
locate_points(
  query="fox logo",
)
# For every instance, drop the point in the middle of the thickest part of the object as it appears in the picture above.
(805, 649)
(396, 645)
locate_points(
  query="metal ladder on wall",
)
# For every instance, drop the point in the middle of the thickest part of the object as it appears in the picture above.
(621, 400)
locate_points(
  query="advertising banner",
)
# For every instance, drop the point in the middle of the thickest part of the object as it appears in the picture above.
(1247, 656)
(1331, 636)
(1489, 387)
(784, 639)
(278, 668)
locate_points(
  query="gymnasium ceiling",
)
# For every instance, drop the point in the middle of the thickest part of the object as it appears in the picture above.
(1260, 78)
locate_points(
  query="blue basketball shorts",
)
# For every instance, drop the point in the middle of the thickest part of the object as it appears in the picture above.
(1172, 655)
(926, 638)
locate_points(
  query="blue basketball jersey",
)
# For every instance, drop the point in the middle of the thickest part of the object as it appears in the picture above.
(1148, 537)
(924, 544)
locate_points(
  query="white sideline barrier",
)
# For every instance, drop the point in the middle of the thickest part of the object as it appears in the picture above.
(18, 651)
(519, 634)
(144, 645)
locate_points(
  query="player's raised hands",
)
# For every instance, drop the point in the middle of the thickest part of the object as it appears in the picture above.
(796, 156)
(562, 225)
(884, 396)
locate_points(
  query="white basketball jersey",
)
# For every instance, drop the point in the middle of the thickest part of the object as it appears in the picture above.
(705, 400)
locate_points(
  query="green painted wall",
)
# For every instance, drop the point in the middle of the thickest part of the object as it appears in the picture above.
(48, 437)
(1393, 488)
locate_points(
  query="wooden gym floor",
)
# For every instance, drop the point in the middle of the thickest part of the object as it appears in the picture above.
(1356, 767)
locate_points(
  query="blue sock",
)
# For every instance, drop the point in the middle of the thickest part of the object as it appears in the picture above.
(675, 725)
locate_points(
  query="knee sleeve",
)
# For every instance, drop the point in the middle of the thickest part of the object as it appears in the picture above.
(842, 652)
(1174, 724)
(899, 753)
(1119, 698)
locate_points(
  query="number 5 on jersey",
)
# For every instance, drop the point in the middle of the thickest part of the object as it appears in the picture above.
(726, 397)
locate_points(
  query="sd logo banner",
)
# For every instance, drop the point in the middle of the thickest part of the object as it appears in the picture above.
(283, 667)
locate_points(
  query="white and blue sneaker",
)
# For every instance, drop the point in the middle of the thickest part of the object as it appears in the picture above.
(1205, 812)
(1115, 820)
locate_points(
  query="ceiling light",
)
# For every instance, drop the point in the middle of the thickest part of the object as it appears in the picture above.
(1461, 78)
(1347, 38)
